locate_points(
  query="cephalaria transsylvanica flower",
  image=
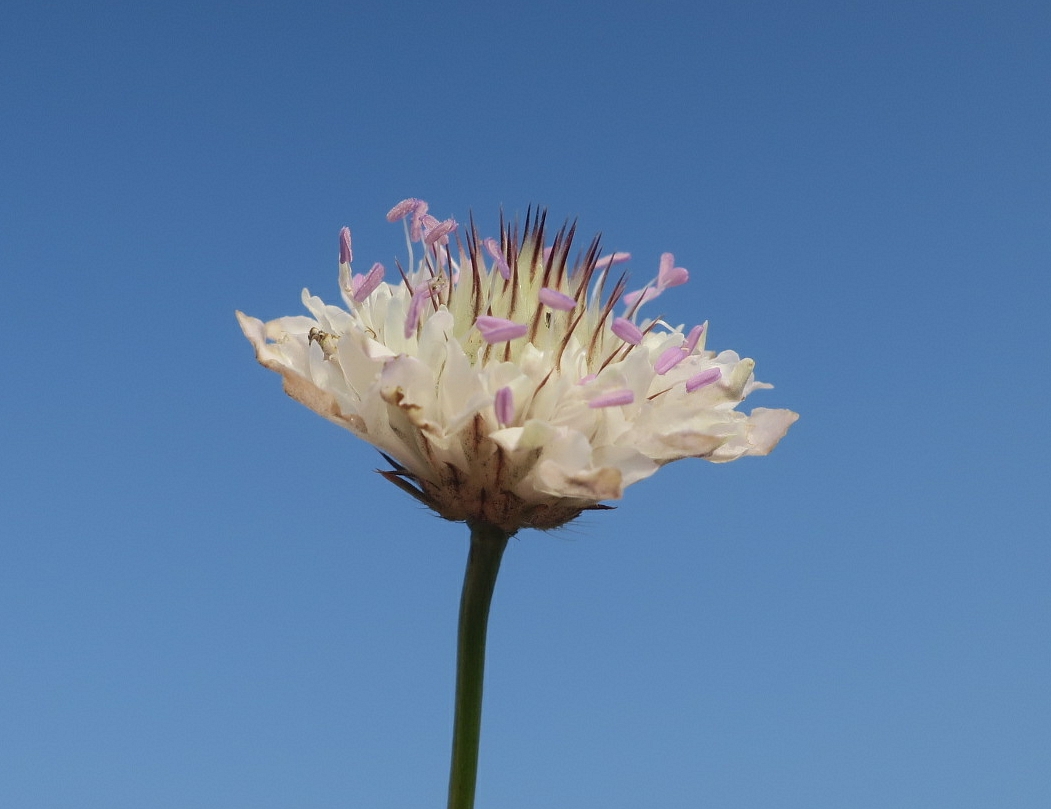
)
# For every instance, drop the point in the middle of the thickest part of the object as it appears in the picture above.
(498, 379)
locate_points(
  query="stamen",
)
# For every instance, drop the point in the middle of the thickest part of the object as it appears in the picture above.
(492, 247)
(439, 232)
(427, 222)
(702, 379)
(627, 331)
(554, 299)
(669, 275)
(403, 209)
(419, 220)
(613, 398)
(587, 378)
(606, 262)
(365, 285)
(504, 405)
(669, 359)
(693, 338)
(641, 296)
(498, 330)
(419, 300)
(345, 254)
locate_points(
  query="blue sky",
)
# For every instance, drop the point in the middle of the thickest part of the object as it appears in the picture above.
(208, 599)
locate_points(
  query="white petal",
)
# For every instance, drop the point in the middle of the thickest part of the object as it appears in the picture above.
(589, 484)
(755, 435)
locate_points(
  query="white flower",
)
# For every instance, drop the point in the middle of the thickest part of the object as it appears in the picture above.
(500, 384)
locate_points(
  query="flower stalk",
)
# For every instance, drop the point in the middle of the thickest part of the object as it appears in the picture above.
(483, 563)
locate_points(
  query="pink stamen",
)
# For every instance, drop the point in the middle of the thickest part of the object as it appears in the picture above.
(557, 300)
(440, 232)
(605, 262)
(419, 220)
(504, 405)
(702, 379)
(419, 300)
(345, 254)
(587, 378)
(693, 338)
(613, 398)
(492, 247)
(627, 331)
(498, 330)
(426, 224)
(403, 209)
(646, 293)
(669, 359)
(669, 275)
(365, 285)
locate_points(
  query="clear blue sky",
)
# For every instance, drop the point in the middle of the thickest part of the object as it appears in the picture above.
(207, 597)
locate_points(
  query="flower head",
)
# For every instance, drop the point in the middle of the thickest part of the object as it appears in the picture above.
(499, 383)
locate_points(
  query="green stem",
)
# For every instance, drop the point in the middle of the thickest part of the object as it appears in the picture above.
(483, 563)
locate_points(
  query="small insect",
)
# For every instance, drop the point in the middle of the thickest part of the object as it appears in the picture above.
(324, 339)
